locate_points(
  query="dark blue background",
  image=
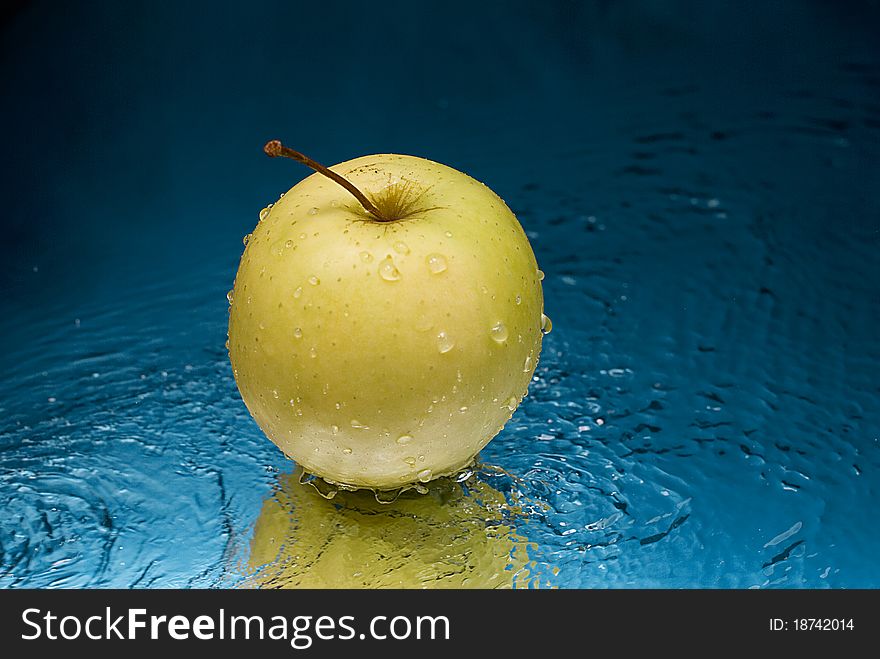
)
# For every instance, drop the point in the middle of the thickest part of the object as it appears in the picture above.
(700, 182)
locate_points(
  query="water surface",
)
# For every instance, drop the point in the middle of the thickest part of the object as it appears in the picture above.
(700, 183)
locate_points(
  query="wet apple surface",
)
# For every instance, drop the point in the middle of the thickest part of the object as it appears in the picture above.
(384, 352)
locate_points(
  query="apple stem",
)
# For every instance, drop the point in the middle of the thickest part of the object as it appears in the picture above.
(275, 148)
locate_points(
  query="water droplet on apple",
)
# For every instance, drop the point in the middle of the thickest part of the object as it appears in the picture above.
(388, 271)
(498, 332)
(314, 281)
(265, 212)
(313, 211)
(425, 475)
(288, 244)
(511, 403)
(229, 296)
(347, 451)
(313, 352)
(546, 324)
(436, 263)
(540, 275)
(444, 342)
(528, 364)
(246, 238)
(519, 299)
(366, 257)
(357, 424)
(403, 440)
(275, 393)
(297, 332)
(449, 234)
(463, 409)
(298, 291)
(401, 247)
(411, 461)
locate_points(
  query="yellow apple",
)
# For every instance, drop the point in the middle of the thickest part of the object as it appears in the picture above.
(378, 348)
(451, 537)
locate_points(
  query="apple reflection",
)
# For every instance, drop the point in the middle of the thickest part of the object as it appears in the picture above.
(457, 535)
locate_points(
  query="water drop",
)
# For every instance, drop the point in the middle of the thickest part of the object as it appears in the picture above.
(275, 393)
(436, 263)
(334, 430)
(288, 244)
(449, 234)
(388, 271)
(314, 281)
(313, 352)
(540, 275)
(246, 238)
(366, 257)
(519, 299)
(298, 291)
(546, 324)
(313, 211)
(297, 332)
(511, 403)
(403, 440)
(264, 213)
(229, 296)
(463, 409)
(528, 364)
(357, 424)
(401, 247)
(411, 461)
(444, 342)
(425, 475)
(498, 332)
(347, 451)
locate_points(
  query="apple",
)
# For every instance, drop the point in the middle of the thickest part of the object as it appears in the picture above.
(386, 320)
(452, 537)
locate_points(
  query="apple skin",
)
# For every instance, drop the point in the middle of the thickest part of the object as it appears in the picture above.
(454, 536)
(371, 352)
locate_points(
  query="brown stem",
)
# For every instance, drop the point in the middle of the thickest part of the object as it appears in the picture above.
(275, 148)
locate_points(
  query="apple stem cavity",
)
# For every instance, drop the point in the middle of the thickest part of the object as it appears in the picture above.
(275, 149)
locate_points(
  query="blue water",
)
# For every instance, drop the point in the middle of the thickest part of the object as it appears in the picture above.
(700, 183)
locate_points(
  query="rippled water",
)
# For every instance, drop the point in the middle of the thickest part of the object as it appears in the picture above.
(705, 410)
